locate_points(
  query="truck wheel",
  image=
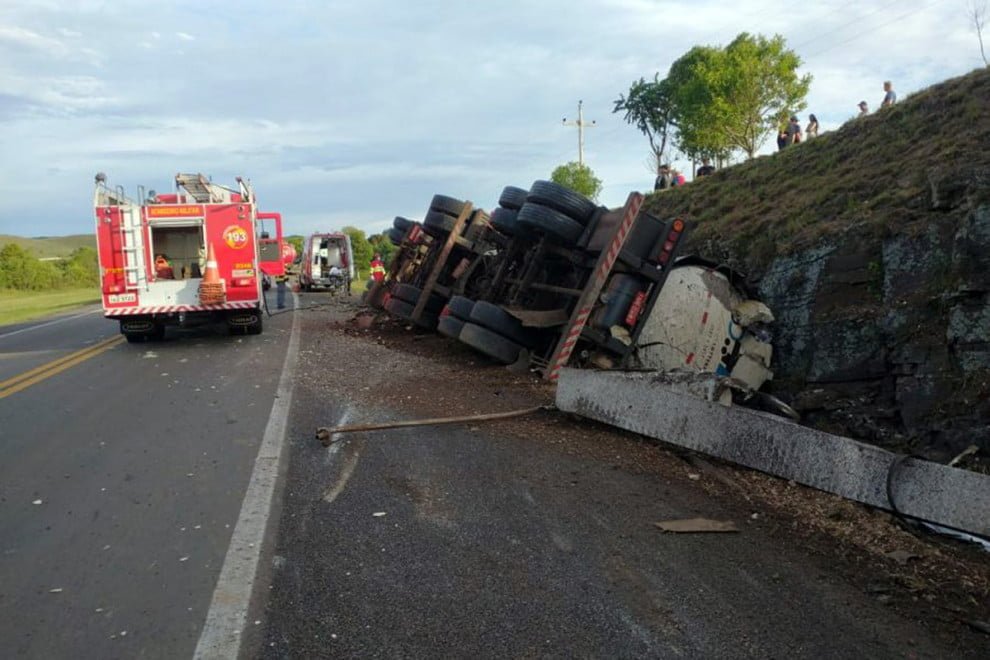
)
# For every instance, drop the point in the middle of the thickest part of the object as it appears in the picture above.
(258, 326)
(557, 226)
(439, 222)
(402, 224)
(447, 205)
(157, 333)
(493, 317)
(572, 204)
(490, 343)
(460, 307)
(512, 198)
(134, 337)
(411, 294)
(504, 221)
(395, 235)
(404, 310)
(450, 326)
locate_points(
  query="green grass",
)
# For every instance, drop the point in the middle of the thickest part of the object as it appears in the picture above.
(19, 306)
(869, 179)
(50, 246)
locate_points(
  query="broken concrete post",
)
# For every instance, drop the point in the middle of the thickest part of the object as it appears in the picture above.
(661, 407)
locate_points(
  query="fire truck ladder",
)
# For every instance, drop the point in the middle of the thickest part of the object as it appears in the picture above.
(132, 245)
(196, 185)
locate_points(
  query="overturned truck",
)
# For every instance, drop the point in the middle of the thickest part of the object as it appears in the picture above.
(549, 278)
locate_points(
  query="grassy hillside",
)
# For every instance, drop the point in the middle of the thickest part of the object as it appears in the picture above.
(50, 246)
(883, 175)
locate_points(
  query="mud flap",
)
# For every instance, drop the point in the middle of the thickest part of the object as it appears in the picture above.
(521, 365)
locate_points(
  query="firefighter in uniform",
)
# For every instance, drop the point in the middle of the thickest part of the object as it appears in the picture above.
(377, 268)
(280, 285)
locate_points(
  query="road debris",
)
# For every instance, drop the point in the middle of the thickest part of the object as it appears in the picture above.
(324, 434)
(968, 451)
(56, 590)
(36, 502)
(697, 525)
(902, 557)
(378, 514)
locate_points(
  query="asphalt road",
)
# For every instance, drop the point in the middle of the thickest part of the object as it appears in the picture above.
(453, 542)
(121, 480)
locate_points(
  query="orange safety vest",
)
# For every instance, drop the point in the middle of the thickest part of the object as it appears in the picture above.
(377, 270)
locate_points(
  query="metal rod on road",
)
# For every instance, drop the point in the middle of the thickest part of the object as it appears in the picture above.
(324, 434)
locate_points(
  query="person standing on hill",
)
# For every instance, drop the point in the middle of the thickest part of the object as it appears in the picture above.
(811, 130)
(864, 109)
(706, 168)
(793, 131)
(664, 178)
(890, 96)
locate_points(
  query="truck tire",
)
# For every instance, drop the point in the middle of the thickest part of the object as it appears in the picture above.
(411, 294)
(460, 307)
(490, 343)
(134, 337)
(498, 320)
(504, 221)
(407, 293)
(557, 226)
(560, 198)
(402, 224)
(395, 235)
(447, 205)
(512, 198)
(404, 310)
(450, 326)
(438, 223)
(259, 325)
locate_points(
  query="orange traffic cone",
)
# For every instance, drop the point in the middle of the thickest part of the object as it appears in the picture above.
(211, 288)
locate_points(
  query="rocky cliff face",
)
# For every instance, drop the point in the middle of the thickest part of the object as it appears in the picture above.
(889, 340)
(872, 247)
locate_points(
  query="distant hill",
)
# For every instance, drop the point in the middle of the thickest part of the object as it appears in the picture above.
(50, 246)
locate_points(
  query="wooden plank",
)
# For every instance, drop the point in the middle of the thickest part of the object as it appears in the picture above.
(442, 260)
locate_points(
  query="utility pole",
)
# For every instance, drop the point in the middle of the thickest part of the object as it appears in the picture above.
(580, 123)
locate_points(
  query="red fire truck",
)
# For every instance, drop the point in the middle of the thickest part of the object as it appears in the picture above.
(186, 258)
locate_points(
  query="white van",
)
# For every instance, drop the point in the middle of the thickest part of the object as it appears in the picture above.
(323, 252)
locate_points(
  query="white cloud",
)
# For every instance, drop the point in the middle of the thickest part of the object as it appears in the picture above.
(370, 108)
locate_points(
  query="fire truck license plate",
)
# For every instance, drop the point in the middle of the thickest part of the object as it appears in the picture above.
(115, 298)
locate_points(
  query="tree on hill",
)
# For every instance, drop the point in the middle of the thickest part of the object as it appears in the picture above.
(717, 100)
(362, 250)
(735, 97)
(648, 106)
(21, 270)
(578, 177)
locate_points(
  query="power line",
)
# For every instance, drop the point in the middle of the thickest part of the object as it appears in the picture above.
(859, 19)
(875, 28)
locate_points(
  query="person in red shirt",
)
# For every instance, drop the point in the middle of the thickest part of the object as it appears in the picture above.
(377, 268)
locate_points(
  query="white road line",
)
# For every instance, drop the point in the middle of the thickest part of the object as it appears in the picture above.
(227, 617)
(45, 325)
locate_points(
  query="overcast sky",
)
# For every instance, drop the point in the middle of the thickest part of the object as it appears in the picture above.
(354, 112)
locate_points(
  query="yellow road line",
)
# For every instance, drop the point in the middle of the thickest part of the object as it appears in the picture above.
(47, 370)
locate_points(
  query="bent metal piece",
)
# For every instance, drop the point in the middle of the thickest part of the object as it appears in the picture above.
(325, 435)
(655, 406)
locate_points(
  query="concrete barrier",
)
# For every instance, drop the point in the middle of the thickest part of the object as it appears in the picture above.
(654, 405)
